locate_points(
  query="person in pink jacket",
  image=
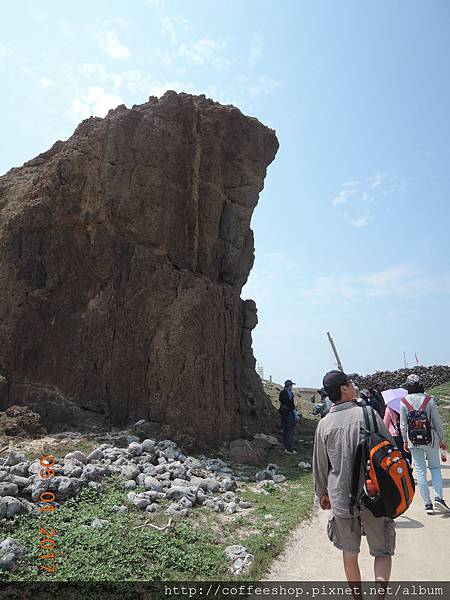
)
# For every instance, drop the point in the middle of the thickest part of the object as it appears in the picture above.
(392, 421)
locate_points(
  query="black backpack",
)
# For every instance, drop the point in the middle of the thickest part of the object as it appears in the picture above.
(388, 480)
(419, 426)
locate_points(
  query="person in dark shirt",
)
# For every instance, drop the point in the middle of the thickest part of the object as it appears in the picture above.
(376, 400)
(286, 410)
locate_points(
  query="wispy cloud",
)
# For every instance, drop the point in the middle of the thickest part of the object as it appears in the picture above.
(205, 51)
(45, 82)
(399, 280)
(376, 180)
(365, 191)
(388, 277)
(168, 29)
(5, 51)
(67, 29)
(258, 86)
(121, 23)
(112, 46)
(255, 53)
(270, 269)
(343, 196)
(361, 221)
(172, 27)
(94, 101)
(98, 73)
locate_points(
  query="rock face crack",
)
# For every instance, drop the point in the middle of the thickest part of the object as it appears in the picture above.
(195, 187)
(123, 252)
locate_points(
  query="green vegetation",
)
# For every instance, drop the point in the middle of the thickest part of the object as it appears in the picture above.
(442, 392)
(118, 552)
(129, 550)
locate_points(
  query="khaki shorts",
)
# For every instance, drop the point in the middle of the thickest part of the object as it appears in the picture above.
(346, 533)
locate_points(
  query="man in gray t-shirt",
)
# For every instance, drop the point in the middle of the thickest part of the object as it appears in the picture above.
(336, 441)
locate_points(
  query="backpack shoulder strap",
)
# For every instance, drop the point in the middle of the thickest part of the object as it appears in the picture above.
(407, 404)
(425, 403)
(370, 419)
(374, 418)
(366, 417)
(356, 474)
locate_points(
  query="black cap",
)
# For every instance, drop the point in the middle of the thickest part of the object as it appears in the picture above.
(333, 381)
(288, 382)
(322, 392)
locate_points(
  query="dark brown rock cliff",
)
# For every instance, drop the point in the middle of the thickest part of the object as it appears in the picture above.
(123, 254)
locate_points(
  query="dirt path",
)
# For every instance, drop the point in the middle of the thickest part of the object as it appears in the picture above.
(422, 541)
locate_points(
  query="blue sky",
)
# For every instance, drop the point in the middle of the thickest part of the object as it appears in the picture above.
(352, 229)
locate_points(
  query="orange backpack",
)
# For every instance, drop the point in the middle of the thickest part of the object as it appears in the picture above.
(388, 488)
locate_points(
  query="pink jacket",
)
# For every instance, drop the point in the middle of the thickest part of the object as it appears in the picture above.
(391, 420)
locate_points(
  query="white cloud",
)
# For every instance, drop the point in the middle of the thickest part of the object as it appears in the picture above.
(261, 85)
(376, 180)
(67, 29)
(403, 280)
(204, 51)
(168, 28)
(343, 196)
(45, 81)
(137, 82)
(270, 269)
(387, 277)
(111, 45)
(164, 56)
(4, 51)
(123, 24)
(99, 73)
(330, 288)
(255, 52)
(94, 101)
(365, 191)
(361, 221)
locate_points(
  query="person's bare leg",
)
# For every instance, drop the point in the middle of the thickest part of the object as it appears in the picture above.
(353, 574)
(382, 569)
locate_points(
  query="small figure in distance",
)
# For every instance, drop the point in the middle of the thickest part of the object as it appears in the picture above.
(287, 415)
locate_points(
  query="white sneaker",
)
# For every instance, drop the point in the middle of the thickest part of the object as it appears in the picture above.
(442, 504)
(289, 452)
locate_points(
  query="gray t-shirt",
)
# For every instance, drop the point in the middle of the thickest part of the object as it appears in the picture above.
(336, 441)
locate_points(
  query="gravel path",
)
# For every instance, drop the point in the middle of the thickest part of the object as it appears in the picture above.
(422, 541)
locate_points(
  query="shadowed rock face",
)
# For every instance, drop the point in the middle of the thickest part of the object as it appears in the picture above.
(123, 254)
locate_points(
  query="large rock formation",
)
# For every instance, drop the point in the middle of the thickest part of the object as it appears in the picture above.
(123, 252)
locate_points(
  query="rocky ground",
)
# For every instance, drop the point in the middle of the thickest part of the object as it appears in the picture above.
(156, 479)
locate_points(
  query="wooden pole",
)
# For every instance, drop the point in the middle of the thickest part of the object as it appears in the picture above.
(333, 347)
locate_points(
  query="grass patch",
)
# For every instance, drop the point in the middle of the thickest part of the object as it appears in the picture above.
(192, 550)
(117, 552)
(288, 505)
(442, 393)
